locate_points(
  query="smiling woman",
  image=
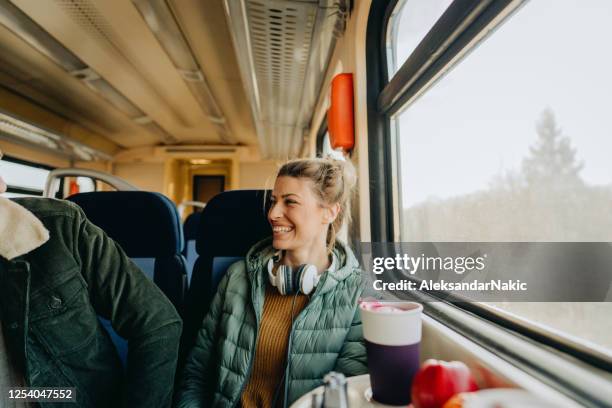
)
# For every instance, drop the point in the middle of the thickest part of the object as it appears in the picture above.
(281, 359)
(307, 191)
(299, 223)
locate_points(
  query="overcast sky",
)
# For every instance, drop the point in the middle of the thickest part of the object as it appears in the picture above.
(480, 118)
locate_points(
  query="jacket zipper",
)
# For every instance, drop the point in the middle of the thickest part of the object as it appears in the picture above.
(26, 321)
(297, 319)
(243, 386)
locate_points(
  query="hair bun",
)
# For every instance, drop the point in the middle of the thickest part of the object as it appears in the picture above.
(345, 168)
(349, 174)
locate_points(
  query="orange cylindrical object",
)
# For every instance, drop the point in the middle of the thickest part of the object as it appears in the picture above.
(341, 121)
(74, 187)
(330, 123)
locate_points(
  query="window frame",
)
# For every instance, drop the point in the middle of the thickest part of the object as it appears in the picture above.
(379, 150)
(25, 190)
(323, 128)
(459, 30)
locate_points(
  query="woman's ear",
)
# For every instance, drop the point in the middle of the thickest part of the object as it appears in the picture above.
(331, 212)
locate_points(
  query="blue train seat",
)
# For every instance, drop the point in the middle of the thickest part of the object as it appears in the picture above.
(190, 231)
(231, 223)
(147, 226)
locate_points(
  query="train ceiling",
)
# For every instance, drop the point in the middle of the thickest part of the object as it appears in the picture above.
(147, 72)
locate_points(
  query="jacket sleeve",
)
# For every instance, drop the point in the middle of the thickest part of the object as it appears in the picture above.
(352, 359)
(139, 312)
(196, 389)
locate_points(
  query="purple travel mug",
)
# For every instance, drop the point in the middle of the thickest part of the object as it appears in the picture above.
(392, 333)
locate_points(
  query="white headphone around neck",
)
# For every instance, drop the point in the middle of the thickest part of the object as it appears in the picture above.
(291, 281)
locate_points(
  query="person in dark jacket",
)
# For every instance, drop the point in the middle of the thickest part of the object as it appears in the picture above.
(286, 315)
(58, 273)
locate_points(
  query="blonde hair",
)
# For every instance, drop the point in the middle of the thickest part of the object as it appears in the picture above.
(333, 181)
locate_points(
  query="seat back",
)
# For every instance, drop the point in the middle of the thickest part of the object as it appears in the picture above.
(231, 223)
(147, 226)
(190, 231)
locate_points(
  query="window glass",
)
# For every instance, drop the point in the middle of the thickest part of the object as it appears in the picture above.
(86, 184)
(76, 185)
(328, 151)
(513, 145)
(19, 175)
(409, 24)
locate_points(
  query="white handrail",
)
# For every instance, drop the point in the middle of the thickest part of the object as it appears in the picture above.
(53, 179)
(187, 203)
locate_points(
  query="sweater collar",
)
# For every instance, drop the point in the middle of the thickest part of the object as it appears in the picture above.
(20, 231)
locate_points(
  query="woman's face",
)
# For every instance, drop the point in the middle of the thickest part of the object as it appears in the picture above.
(297, 217)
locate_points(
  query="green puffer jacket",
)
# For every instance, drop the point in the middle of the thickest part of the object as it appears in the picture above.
(326, 336)
(58, 273)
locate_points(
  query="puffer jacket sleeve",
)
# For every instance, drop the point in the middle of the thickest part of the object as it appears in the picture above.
(196, 389)
(352, 359)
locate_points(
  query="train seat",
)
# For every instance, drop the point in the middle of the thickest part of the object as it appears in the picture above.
(230, 224)
(147, 226)
(190, 231)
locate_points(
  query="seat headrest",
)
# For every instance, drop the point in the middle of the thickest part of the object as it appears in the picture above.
(232, 222)
(144, 224)
(190, 227)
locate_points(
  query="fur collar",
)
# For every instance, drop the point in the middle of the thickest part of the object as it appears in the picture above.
(20, 231)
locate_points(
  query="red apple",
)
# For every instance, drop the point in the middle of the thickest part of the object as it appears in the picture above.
(437, 381)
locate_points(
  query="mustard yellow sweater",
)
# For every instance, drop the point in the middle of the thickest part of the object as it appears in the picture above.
(271, 352)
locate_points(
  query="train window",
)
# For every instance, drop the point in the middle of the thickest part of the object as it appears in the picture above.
(410, 22)
(81, 184)
(23, 178)
(86, 184)
(512, 145)
(328, 151)
(323, 145)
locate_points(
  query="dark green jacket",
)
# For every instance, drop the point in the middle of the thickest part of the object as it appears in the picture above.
(326, 336)
(50, 300)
